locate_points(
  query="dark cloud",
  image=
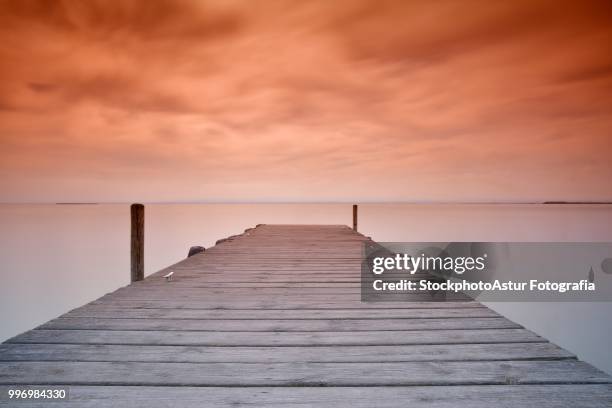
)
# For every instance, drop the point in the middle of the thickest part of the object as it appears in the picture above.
(41, 87)
(123, 92)
(589, 73)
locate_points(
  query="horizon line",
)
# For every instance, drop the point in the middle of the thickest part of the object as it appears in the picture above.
(546, 202)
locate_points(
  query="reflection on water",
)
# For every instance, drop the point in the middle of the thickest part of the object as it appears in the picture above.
(57, 257)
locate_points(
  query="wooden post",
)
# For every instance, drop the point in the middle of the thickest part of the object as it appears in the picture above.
(137, 242)
(355, 217)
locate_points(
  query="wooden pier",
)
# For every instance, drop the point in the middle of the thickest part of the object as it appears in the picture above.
(273, 317)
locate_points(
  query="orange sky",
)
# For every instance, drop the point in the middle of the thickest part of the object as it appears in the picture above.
(305, 101)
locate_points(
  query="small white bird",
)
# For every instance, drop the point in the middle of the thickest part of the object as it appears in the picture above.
(169, 276)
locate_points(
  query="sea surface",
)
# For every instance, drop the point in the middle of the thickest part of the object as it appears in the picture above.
(54, 258)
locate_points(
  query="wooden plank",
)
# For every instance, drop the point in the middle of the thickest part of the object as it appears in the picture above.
(103, 311)
(88, 323)
(302, 374)
(257, 285)
(242, 354)
(277, 338)
(268, 279)
(326, 300)
(266, 303)
(162, 291)
(176, 287)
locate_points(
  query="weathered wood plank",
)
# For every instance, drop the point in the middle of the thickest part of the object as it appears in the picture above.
(88, 323)
(271, 302)
(277, 338)
(247, 285)
(302, 374)
(161, 292)
(104, 311)
(241, 354)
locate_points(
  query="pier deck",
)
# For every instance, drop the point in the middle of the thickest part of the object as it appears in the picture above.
(273, 318)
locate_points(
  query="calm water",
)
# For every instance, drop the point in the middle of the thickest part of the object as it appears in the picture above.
(57, 257)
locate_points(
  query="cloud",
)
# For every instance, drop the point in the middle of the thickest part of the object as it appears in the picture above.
(593, 72)
(364, 94)
(148, 21)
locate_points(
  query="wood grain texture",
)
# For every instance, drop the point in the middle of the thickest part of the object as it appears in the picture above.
(282, 354)
(273, 317)
(302, 374)
(279, 325)
(207, 338)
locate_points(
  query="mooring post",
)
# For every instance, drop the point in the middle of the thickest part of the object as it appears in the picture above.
(355, 217)
(137, 242)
